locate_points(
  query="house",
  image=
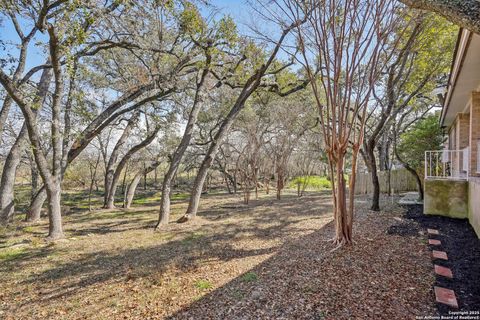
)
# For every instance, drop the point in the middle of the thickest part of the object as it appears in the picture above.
(452, 175)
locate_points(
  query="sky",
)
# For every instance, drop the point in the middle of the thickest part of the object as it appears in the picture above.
(237, 9)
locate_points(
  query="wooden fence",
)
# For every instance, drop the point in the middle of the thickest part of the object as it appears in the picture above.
(400, 181)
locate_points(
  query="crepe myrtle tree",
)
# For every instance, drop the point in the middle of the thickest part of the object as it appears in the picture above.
(346, 39)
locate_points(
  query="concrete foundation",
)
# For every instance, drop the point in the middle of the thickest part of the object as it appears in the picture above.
(455, 199)
(446, 198)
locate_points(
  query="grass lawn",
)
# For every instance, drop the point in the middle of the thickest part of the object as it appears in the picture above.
(267, 260)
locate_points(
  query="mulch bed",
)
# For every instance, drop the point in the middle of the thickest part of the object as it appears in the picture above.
(462, 246)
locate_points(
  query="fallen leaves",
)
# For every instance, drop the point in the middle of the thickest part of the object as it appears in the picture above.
(269, 260)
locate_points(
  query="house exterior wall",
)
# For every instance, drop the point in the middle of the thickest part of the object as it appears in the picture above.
(474, 204)
(451, 137)
(463, 130)
(459, 198)
(474, 132)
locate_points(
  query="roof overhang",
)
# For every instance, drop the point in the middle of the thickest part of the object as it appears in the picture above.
(464, 76)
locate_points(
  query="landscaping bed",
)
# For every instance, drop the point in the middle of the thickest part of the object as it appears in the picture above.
(459, 241)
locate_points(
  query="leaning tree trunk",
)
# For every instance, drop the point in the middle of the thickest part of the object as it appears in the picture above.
(164, 216)
(110, 169)
(413, 172)
(196, 192)
(199, 99)
(35, 209)
(132, 187)
(13, 159)
(123, 163)
(7, 103)
(249, 87)
(197, 188)
(7, 205)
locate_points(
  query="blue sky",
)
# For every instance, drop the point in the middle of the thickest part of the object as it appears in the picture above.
(235, 8)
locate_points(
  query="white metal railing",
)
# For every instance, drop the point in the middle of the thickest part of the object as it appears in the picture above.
(447, 164)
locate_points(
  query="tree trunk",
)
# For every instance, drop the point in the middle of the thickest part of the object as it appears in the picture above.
(199, 99)
(343, 224)
(132, 187)
(375, 182)
(418, 180)
(113, 187)
(55, 230)
(136, 179)
(13, 159)
(197, 188)
(145, 173)
(93, 179)
(7, 205)
(7, 103)
(35, 209)
(413, 172)
(121, 165)
(251, 84)
(112, 161)
(35, 176)
(279, 188)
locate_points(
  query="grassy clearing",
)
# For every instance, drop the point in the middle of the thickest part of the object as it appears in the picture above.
(312, 182)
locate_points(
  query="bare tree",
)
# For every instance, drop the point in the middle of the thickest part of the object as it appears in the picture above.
(346, 39)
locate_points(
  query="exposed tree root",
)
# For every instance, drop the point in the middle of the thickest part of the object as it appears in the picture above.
(330, 240)
(339, 243)
(187, 217)
(55, 237)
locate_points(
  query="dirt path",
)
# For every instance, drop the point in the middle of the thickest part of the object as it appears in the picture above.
(267, 260)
